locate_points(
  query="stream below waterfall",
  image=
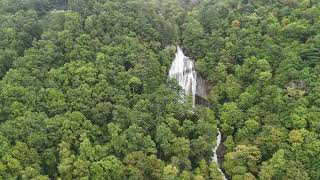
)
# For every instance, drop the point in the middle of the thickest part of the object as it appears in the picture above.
(183, 70)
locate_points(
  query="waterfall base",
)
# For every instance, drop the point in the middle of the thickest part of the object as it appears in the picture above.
(202, 101)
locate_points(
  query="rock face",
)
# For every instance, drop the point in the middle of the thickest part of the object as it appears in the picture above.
(183, 70)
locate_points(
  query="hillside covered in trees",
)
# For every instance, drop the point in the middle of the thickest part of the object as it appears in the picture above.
(84, 92)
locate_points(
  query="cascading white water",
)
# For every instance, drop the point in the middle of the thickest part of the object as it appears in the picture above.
(215, 156)
(183, 70)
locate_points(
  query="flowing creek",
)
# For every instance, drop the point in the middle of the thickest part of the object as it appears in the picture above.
(183, 70)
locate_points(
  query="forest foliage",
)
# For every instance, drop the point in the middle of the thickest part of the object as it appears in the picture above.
(84, 91)
(262, 59)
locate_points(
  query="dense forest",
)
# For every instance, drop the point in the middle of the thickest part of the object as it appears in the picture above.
(84, 90)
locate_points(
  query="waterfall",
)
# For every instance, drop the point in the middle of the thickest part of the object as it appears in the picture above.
(183, 70)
